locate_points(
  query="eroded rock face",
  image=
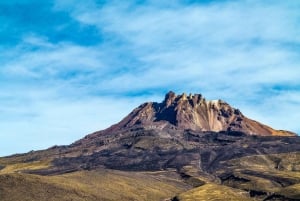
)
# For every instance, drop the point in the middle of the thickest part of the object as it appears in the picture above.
(196, 113)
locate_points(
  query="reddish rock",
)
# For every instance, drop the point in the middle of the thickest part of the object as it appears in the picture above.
(195, 113)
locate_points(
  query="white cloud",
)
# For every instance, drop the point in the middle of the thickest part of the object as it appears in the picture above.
(48, 120)
(203, 41)
(49, 59)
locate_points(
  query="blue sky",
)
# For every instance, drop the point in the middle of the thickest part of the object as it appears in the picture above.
(70, 67)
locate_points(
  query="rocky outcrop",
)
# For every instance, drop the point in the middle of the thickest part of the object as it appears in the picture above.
(196, 113)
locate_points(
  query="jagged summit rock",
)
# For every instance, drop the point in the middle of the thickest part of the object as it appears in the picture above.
(196, 113)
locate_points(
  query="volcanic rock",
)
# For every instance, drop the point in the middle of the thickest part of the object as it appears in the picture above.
(196, 113)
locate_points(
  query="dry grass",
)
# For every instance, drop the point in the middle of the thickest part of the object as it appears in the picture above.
(291, 191)
(18, 167)
(285, 161)
(97, 185)
(268, 173)
(214, 192)
(117, 185)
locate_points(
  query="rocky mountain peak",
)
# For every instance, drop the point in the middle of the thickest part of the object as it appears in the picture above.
(172, 98)
(196, 113)
(169, 98)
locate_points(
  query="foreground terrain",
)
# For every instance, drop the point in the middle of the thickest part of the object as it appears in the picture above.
(242, 168)
(90, 185)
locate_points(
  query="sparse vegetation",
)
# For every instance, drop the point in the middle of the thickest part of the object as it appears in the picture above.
(18, 167)
(261, 174)
(106, 185)
(214, 192)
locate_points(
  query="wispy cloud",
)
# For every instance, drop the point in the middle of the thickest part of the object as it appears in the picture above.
(69, 67)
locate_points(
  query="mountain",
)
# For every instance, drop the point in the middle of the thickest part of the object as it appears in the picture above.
(184, 148)
(196, 113)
